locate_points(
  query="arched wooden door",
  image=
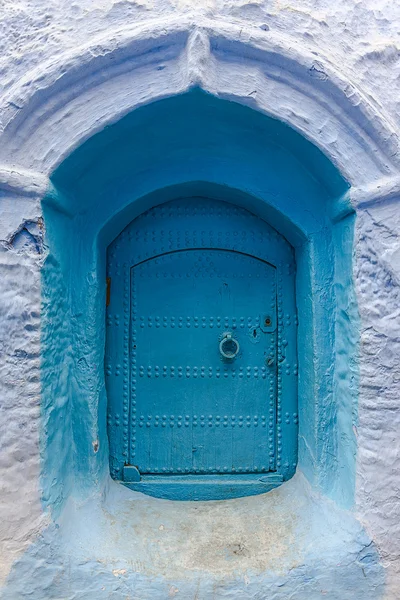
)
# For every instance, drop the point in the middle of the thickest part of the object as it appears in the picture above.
(201, 352)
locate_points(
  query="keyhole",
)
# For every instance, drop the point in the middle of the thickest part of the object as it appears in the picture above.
(254, 333)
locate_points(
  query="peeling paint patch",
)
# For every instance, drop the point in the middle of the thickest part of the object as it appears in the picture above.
(28, 238)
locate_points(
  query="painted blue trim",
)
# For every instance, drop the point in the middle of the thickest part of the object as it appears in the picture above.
(184, 146)
(205, 488)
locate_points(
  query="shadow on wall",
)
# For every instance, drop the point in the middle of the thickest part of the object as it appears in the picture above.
(197, 145)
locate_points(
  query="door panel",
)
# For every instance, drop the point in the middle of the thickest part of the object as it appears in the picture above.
(196, 411)
(183, 420)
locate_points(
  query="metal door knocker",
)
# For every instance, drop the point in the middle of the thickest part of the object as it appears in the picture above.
(228, 346)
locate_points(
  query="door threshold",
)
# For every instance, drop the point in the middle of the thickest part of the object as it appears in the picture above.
(205, 487)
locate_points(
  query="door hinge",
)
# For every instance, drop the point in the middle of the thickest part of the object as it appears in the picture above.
(108, 290)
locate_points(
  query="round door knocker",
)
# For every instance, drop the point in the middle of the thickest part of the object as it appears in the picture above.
(228, 346)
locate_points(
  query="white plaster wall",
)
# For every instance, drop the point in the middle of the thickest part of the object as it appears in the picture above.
(377, 276)
(20, 509)
(363, 40)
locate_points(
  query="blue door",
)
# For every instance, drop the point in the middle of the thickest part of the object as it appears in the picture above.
(196, 369)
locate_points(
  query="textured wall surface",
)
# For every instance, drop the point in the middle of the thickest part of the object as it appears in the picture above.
(351, 47)
(378, 278)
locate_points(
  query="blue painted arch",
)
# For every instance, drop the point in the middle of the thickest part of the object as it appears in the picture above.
(195, 145)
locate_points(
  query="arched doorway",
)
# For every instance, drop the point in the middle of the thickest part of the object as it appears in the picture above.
(99, 153)
(201, 370)
(192, 146)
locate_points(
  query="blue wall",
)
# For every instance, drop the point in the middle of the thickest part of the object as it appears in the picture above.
(105, 539)
(189, 145)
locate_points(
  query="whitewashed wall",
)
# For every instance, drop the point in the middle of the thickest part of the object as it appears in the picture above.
(362, 41)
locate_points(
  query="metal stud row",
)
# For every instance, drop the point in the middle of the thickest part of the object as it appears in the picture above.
(203, 372)
(210, 470)
(209, 322)
(202, 421)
